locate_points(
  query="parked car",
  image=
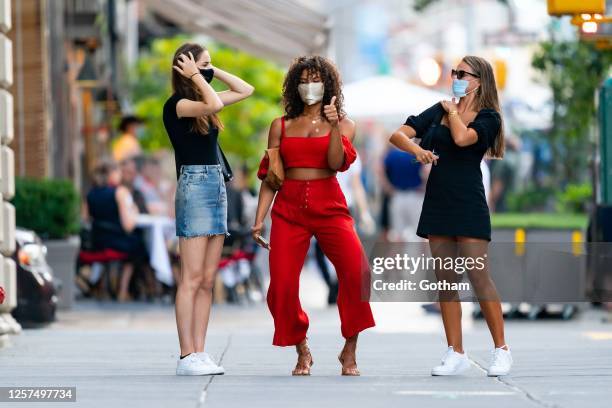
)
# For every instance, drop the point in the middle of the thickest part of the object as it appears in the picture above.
(36, 287)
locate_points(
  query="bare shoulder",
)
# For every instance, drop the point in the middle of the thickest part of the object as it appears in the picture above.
(121, 192)
(180, 105)
(275, 133)
(347, 127)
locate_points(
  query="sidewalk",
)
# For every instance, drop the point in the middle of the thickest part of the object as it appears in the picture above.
(125, 356)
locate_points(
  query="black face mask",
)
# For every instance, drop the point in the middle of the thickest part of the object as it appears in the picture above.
(208, 74)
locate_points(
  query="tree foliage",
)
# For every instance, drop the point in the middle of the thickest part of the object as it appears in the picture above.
(50, 207)
(245, 122)
(573, 70)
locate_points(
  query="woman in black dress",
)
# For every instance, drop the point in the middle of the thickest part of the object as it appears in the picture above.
(455, 135)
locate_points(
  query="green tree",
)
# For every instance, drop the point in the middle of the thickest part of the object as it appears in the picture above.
(245, 122)
(573, 70)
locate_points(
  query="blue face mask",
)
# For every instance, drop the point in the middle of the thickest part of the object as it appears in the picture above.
(459, 87)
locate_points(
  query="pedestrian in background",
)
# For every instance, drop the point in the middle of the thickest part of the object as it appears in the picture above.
(114, 213)
(127, 145)
(403, 174)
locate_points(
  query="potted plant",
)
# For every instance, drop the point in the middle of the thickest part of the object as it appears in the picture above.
(50, 207)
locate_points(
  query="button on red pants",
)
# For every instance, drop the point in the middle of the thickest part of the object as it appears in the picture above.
(303, 208)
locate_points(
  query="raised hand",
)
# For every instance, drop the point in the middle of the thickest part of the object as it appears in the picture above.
(450, 106)
(331, 113)
(186, 65)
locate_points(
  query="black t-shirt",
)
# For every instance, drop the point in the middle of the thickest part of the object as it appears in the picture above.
(189, 147)
(486, 124)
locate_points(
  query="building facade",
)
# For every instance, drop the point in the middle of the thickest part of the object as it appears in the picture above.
(8, 278)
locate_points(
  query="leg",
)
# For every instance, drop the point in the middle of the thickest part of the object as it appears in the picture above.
(192, 252)
(289, 244)
(320, 258)
(396, 220)
(450, 307)
(288, 247)
(203, 301)
(127, 271)
(484, 287)
(339, 241)
(153, 285)
(412, 209)
(332, 285)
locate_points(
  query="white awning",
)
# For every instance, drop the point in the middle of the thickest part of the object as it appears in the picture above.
(276, 29)
(387, 97)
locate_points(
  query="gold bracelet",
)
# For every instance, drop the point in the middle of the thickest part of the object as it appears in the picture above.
(453, 113)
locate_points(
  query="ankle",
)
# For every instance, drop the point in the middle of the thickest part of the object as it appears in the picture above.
(458, 349)
(302, 347)
(350, 343)
(503, 346)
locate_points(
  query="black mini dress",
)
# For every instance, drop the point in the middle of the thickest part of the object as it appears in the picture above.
(455, 203)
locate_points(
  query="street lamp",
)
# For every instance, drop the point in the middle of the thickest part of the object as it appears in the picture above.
(429, 71)
(589, 27)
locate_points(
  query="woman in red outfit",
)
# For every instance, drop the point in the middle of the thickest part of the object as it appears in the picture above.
(315, 139)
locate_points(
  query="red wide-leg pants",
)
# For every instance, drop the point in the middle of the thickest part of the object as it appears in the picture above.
(303, 208)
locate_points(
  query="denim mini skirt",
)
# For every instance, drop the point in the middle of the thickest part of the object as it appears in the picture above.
(201, 201)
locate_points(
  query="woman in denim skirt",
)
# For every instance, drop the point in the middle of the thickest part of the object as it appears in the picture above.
(191, 121)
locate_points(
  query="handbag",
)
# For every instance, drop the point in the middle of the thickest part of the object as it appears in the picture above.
(276, 169)
(228, 175)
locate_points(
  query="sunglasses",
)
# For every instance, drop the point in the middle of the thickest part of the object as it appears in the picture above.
(460, 74)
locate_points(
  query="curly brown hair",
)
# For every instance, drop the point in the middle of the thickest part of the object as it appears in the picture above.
(329, 76)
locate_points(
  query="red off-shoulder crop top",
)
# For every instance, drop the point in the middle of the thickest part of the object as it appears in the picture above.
(309, 152)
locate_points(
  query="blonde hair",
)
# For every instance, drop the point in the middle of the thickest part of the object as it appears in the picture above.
(486, 98)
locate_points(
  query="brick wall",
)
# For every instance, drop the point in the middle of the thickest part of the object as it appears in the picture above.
(29, 89)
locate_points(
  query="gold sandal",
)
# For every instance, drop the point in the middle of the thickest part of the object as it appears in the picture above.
(351, 372)
(303, 367)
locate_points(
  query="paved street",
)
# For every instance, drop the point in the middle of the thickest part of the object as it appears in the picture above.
(124, 356)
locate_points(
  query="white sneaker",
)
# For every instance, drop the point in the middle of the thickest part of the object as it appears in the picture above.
(207, 359)
(453, 363)
(500, 363)
(192, 365)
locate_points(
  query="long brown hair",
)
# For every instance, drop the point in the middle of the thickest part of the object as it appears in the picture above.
(185, 88)
(294, 106)
(486, 98)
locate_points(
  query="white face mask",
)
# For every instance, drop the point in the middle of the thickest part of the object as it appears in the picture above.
(311, 93)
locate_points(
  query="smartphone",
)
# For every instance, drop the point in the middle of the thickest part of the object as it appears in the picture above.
(262, 241)
(433, 151)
